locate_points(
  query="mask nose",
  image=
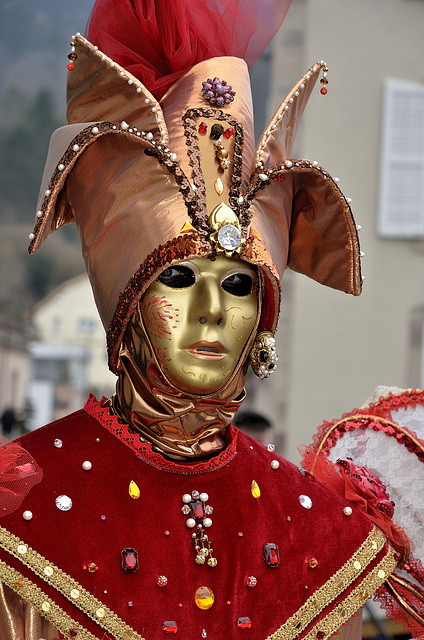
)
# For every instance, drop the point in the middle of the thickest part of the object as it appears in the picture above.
(208, 302)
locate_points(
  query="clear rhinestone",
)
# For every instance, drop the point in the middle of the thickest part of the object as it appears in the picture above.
(305, 501)
(271, 447)
(58, 443)
(229, 237)
(64, 503)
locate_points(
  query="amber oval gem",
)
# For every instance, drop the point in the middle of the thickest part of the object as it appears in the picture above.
(204, 598)
(271, 555)
(129, 559)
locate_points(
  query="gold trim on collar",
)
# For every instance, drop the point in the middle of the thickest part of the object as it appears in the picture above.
(67, 586)
(109, 620)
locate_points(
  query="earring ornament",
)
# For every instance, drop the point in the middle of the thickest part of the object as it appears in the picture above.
(263, 357)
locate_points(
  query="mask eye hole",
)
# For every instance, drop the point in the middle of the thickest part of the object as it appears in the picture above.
(238, 284)
(177, 277)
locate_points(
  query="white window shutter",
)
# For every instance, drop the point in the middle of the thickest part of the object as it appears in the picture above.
(401, 197)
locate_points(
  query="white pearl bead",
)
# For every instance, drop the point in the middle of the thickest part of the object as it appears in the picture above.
(174, 157)
(61, 167)
(47, 192)
(240, 200)
(86, 465)
(191, 522)
(348, 200)
(186, 498)
(31, 236)
(147, 100)
(275, 464)
(27, 515)
(204, 497)
(124, 125)
(138, 89)
(207, 522)
(39, 214)
(76, 147)
(315, 163)
(358, 227)
(288, 164)
(149, 136)
(347, 511)
(336, 180)
(263, 176)
(95, 130)
(154, 109)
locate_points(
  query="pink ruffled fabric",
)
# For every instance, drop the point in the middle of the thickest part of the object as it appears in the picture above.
(158, 41)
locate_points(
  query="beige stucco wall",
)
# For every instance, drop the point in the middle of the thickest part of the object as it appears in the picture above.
(341, 348)
(57, 320)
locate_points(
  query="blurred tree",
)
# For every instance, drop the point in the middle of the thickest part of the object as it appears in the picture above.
(23, 149)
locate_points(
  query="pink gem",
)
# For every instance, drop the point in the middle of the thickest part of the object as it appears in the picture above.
(130, 603)
(240, 534)
(103, 517)
(166, 532)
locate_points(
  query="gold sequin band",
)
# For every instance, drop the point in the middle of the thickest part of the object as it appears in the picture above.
(335, 586)
(68, 587)
(42, 603)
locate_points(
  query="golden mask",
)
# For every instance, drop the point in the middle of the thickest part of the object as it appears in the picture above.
(199, 316)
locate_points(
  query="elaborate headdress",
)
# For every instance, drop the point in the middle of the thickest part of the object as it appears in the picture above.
(152, 177)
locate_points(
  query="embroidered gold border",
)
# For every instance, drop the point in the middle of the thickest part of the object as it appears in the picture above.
(340, 581)
(42, 603)
(68, 587)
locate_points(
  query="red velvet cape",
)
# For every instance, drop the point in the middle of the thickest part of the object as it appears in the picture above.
(330, 562)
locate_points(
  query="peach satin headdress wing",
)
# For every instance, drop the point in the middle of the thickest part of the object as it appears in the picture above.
(296, 207)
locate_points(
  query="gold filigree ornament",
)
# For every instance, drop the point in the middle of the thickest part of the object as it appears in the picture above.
(226, 231)
(263, 357)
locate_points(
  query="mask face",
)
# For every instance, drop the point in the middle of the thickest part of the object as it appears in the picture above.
(199, 316)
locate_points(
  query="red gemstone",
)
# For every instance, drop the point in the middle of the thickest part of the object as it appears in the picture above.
(228, 132)
(271, 555)
(323, 90)
(244, 623)
(197, 509)
(202, 128)
(71, 66)
(320, 635)
(279, 178)
(169, 626)
(73, 633)
(129, 559)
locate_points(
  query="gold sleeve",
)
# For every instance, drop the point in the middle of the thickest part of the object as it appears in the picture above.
(20, 621)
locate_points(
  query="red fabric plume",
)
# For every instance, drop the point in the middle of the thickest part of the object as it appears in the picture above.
(18, 474)
(158, 41)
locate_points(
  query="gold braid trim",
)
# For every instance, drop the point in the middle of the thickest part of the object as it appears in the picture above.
(42, 603)
(338, 583)
(67, 586)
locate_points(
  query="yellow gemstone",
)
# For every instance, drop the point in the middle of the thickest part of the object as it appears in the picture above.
(45, 606)
(133, 490)
(75, 594)
(100, 613)
(20, 584)
(256, 492)
(204, 598)
(357, 565)
(313, 562)
(48, 571)
(187, 227)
